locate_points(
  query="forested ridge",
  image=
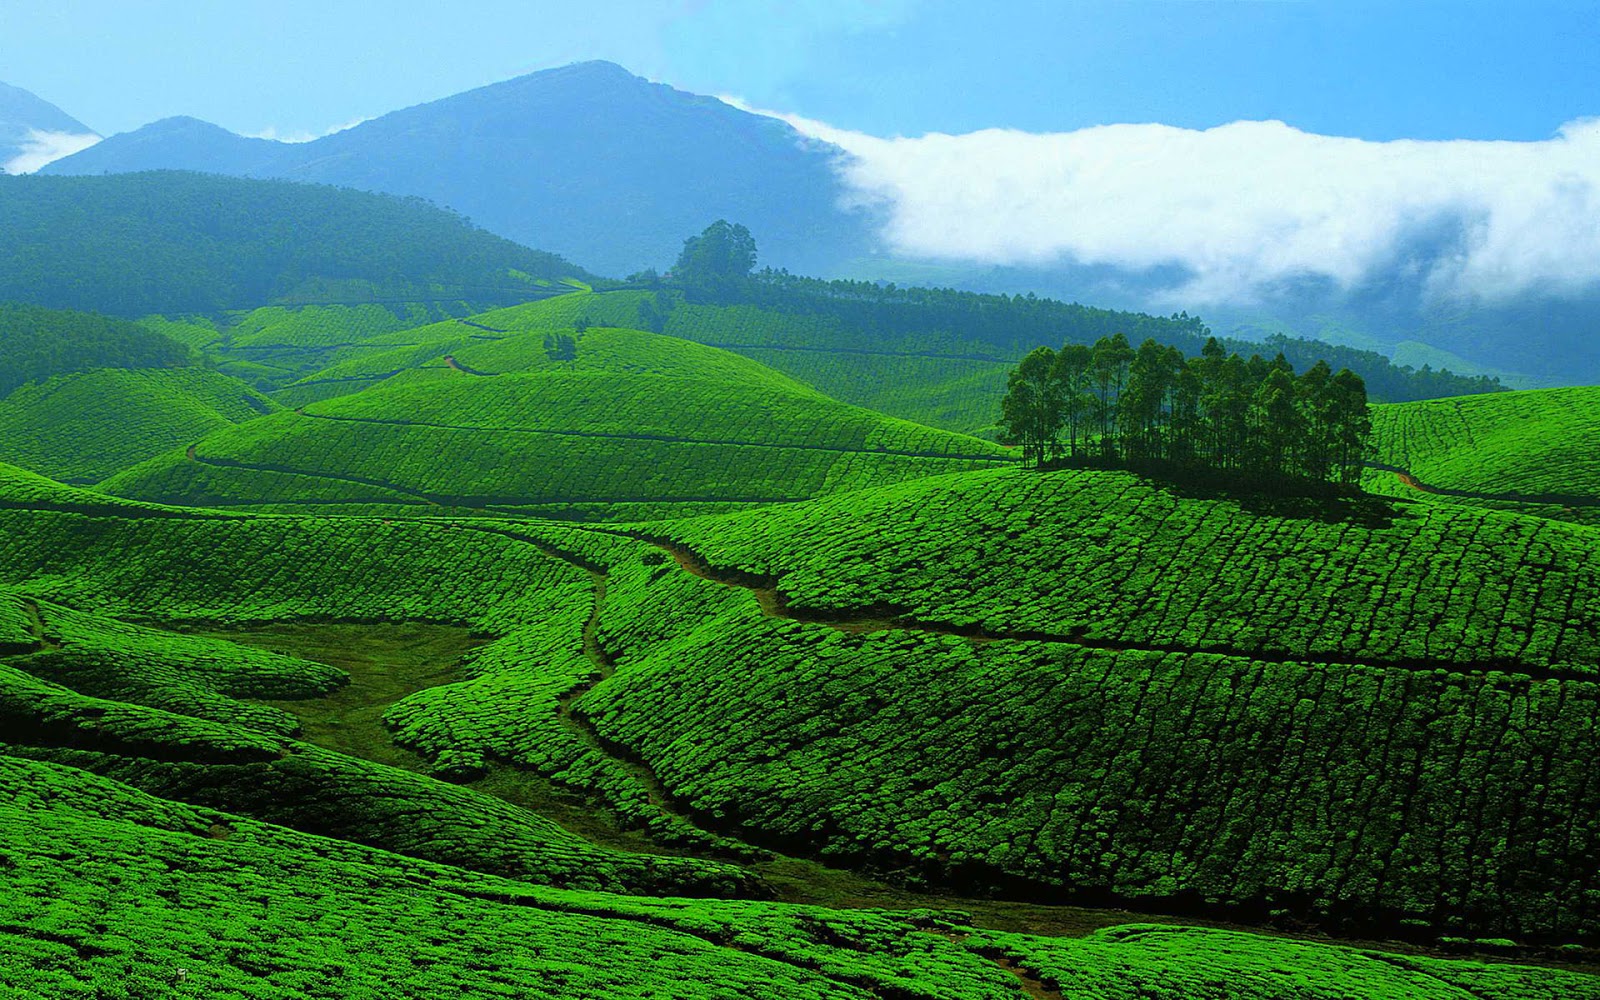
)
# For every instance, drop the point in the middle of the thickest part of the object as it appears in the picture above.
(171, 243)
(36, 343)
(1013, 324)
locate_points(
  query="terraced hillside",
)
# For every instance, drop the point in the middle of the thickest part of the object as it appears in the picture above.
(84, 426)
(638, 425)
(1375, 716)
(1534, 450)
(244, 862)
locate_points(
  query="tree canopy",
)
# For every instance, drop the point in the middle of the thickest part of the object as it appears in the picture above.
(1254, 418)
(719, 258)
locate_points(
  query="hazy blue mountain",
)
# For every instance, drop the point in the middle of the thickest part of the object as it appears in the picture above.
(32, 131)
(589, 161)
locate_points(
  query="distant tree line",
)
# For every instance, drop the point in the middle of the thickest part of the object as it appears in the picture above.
(178, 243)
(37, 343)
(718, 268)
(1219, 411)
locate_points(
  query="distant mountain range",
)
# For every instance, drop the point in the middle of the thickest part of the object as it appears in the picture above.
(613, 172)
(589, 161)
(33, 131)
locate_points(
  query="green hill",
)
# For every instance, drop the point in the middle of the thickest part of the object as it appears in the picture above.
(173, 243)
(637, 425)
(245, 860)
(85, 426)
(1534, 450)
(1375, 717)
(36, 344)
(211, 904)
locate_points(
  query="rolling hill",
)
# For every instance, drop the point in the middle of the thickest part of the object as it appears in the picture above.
(637, 425)
(246, 859)
(36, 344)
(87, 425)
(1533, 450)
(1371, 717)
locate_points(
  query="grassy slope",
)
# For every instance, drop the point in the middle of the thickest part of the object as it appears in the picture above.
(637, 419)
(220, 903)
(941, 381)
(1376, 718)
(212, 905)
(86, 426)
(1533, 450)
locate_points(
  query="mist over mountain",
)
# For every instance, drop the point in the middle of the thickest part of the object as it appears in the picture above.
(588, 161)
(33, 131)
(1479, 256)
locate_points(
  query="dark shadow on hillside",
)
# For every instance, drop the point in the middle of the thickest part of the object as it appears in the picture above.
(1286, 497)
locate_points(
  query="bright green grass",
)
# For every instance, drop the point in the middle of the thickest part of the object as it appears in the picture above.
(936, 378)
(1141, 962)
(1539, 446)
(1108, 557)
(635, 429)
(266, 776)
(86, 426)
(1170, 699)
(17, 630)
(116, 893)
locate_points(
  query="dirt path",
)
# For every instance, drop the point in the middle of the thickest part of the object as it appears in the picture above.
(1567, 500)
(662, 438)
(450, 359)
(882, 618)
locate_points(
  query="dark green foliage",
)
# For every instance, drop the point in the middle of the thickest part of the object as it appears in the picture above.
(37, 343)
(168, 242)
(716, 263)
(1252, 419)
(1014, 324)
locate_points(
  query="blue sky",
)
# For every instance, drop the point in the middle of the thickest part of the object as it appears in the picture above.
(1431, 69)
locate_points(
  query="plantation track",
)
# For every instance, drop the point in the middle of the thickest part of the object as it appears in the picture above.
(491, 503)
(664, 438)
(885, 618)
(857, 350)
(1552, 499)
(449, 359)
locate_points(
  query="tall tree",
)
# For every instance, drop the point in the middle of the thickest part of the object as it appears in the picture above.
(715, 263)
(1352, 425)
(1073, 363)
(1109, 370)
(1030, 413)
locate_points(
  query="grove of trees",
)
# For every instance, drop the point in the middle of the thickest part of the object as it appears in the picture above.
(1255, 418)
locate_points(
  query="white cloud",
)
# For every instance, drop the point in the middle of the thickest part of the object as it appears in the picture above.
(1245, 206)
(40, 148)
(272, 134)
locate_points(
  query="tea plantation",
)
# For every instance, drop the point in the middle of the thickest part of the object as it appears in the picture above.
(636, 428)
(1533, 451)
(86, 426)
(670, 649)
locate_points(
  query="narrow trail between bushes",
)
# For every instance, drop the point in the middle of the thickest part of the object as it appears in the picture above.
(884, 618)
(1409, 480)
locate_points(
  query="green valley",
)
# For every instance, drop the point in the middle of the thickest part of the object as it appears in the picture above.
(416, 614)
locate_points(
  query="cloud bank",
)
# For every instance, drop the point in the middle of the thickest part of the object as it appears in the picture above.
(1245, 208)
(39, 148)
